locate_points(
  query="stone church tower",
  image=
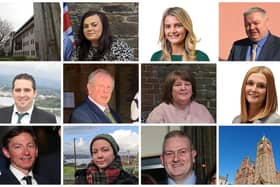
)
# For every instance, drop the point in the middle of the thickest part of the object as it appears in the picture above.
(265, 165)
(264, 172)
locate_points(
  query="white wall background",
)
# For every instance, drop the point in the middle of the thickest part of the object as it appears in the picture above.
(229, 82)
(204, 15)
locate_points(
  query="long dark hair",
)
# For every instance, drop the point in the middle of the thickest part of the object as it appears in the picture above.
(104, 41)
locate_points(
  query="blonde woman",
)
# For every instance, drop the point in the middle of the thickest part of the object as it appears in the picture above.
(177, 38)
(258, 97)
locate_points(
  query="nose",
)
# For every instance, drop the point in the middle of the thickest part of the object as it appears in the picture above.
(26, 151)
(176, 157)
(99, 154)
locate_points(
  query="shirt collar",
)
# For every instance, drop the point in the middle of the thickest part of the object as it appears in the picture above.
(190, 180)
(29, 111)
(263, 40)
(18, 174)
(98, 105)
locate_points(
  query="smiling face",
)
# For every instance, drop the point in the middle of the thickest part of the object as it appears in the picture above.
(181, 92)
(22, 152)
(23, 94)
(255, 90)
(92, 29)
(174, 31)
(102, 153)
(256, 26)
(178, 158)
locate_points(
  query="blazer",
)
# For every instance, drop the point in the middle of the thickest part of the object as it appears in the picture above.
(37, 116)
(7, 177)
(270, 50)
(88, 112)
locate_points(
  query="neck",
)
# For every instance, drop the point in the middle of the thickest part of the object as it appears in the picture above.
(181, 106)
(253, 111)
(177, 49)
(94, 43)
(182, 179)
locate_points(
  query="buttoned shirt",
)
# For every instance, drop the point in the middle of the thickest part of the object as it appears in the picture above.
(25, 119)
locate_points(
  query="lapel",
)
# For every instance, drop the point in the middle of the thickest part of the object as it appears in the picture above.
(97, 114)
(267, 51)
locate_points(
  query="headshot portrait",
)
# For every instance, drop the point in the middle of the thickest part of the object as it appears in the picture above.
(99, 93)
(105, 155)
(178, 93)
(253, 95)
(29, 94)
(178, 154)
(40, 147)
(33, 35)
(178, 32)
(249, 32)
(102, 31)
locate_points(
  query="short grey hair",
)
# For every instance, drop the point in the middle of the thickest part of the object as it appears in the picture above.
(93, 74)
(254, 9)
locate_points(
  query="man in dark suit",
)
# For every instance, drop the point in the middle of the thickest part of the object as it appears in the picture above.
(95, 109)
(24, 111)
(260, 45)
(178, 157)
(20, 147)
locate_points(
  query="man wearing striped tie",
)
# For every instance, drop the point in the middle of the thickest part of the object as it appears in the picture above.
(95, 109)
(260, 45)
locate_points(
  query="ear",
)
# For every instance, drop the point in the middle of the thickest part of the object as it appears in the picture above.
(88, 88)
(193, 155)
(36, 154)
(6, 152)
(161, 159)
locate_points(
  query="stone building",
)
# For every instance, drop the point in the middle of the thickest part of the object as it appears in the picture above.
(24, 41)
(8, 46)
(264, 172)
(123, 20)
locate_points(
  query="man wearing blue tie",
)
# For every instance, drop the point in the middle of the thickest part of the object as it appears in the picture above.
(260, 45)
(95, 109)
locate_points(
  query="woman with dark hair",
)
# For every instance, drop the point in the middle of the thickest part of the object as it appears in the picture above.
(178, 105)
(106, 166)
(97, 43)
(258, 97)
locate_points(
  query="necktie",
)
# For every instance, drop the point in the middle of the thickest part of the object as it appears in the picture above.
(254, 52)
(28, 179)
(109, 115)
(20, 116)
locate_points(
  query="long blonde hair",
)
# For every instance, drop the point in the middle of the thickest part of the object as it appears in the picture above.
(270, 103)
(190, 40)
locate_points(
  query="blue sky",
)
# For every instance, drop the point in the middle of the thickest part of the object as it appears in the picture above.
(238, 142)
(126, 136)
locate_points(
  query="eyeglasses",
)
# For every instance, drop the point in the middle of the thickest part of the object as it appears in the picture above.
(180, 152)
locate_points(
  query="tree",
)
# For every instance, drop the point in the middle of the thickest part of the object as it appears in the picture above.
(5, 29)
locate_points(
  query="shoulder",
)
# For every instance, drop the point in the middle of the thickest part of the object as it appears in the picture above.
(44, 114)
(6, 109)
(121, 51)
(197, 106)
(201, 56)
(272, 118)
(126, 178)
(244, 41)
(158, 113)
(156, 56)
(7, 177)
(237, 119)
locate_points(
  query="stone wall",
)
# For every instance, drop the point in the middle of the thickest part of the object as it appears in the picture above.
(123, 20)
(153, 77)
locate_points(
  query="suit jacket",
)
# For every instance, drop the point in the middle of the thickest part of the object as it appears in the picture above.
(269, 52)
(37, 116)
(88, 112)
(7, 177)
(49, 166)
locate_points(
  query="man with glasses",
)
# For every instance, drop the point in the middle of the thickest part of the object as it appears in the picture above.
(178, 157)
